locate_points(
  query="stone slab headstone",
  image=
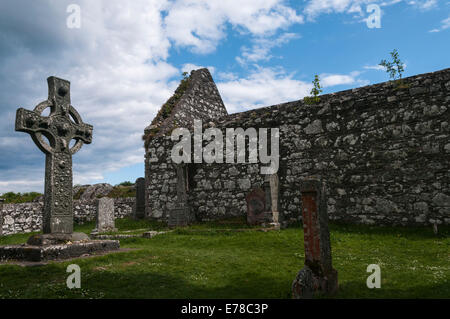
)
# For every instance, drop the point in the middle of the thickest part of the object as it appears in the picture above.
(180, 214)
(63, 125)
(317, 276)
(139, 206)
(105, 221)
(257, 210)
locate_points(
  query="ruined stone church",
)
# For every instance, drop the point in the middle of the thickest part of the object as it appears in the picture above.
(381, 150)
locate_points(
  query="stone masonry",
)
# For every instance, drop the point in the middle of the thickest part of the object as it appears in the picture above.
(382, 150)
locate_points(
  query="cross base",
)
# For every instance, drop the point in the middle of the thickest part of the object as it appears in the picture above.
(309, 284)
(56, 252)
(55, 239)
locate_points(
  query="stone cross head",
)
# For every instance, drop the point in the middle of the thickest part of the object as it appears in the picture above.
(60, 127)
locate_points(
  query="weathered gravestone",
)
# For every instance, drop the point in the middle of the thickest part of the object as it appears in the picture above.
(258, 206)
(60, 127)
(139, 205)
(318, 275)
(105, 216)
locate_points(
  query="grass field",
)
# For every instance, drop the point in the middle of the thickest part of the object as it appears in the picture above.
(203, 261)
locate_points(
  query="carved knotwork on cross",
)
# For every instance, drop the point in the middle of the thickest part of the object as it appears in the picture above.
(63, 125)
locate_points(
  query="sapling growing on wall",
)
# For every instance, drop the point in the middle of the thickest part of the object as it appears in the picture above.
(315, 91)
(395, 67)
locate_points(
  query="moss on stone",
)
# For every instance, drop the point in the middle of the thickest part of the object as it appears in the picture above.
(79, 193)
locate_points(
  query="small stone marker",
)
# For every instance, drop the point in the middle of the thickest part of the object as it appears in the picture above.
(257, 206)
(274, 193)
(1, 216)
(318, 275)
(139, 206)
(105, 216)
(60, 127)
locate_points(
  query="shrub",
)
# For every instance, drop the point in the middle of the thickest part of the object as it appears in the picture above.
(395, 68)
(315, 92)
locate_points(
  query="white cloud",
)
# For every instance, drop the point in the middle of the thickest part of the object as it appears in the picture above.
(263, 87)
(19, 186)
(445, 24)
(227, 76)
(375, 67)
(328, 80)
(336, 79)
(389, 3)
(202, 24)
(423, 4)
(260, 51)
(316, 7)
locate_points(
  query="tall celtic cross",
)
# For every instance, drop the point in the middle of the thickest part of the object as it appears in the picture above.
(63, 125)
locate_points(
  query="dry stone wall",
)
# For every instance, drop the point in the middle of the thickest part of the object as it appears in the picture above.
(27, 217)
(382, 150)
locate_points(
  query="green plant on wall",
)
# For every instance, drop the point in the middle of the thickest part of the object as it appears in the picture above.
(14, 198)
(315, 92)
(166, 109)
(395, 68)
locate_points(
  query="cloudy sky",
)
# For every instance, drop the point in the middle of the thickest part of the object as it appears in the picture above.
(127, 57)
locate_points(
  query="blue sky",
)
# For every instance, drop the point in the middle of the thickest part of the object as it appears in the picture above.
(127, 57)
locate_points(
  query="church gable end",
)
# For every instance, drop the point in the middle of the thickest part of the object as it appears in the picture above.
(196, 97)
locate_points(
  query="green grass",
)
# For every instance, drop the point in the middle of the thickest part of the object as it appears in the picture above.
(209, 263)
